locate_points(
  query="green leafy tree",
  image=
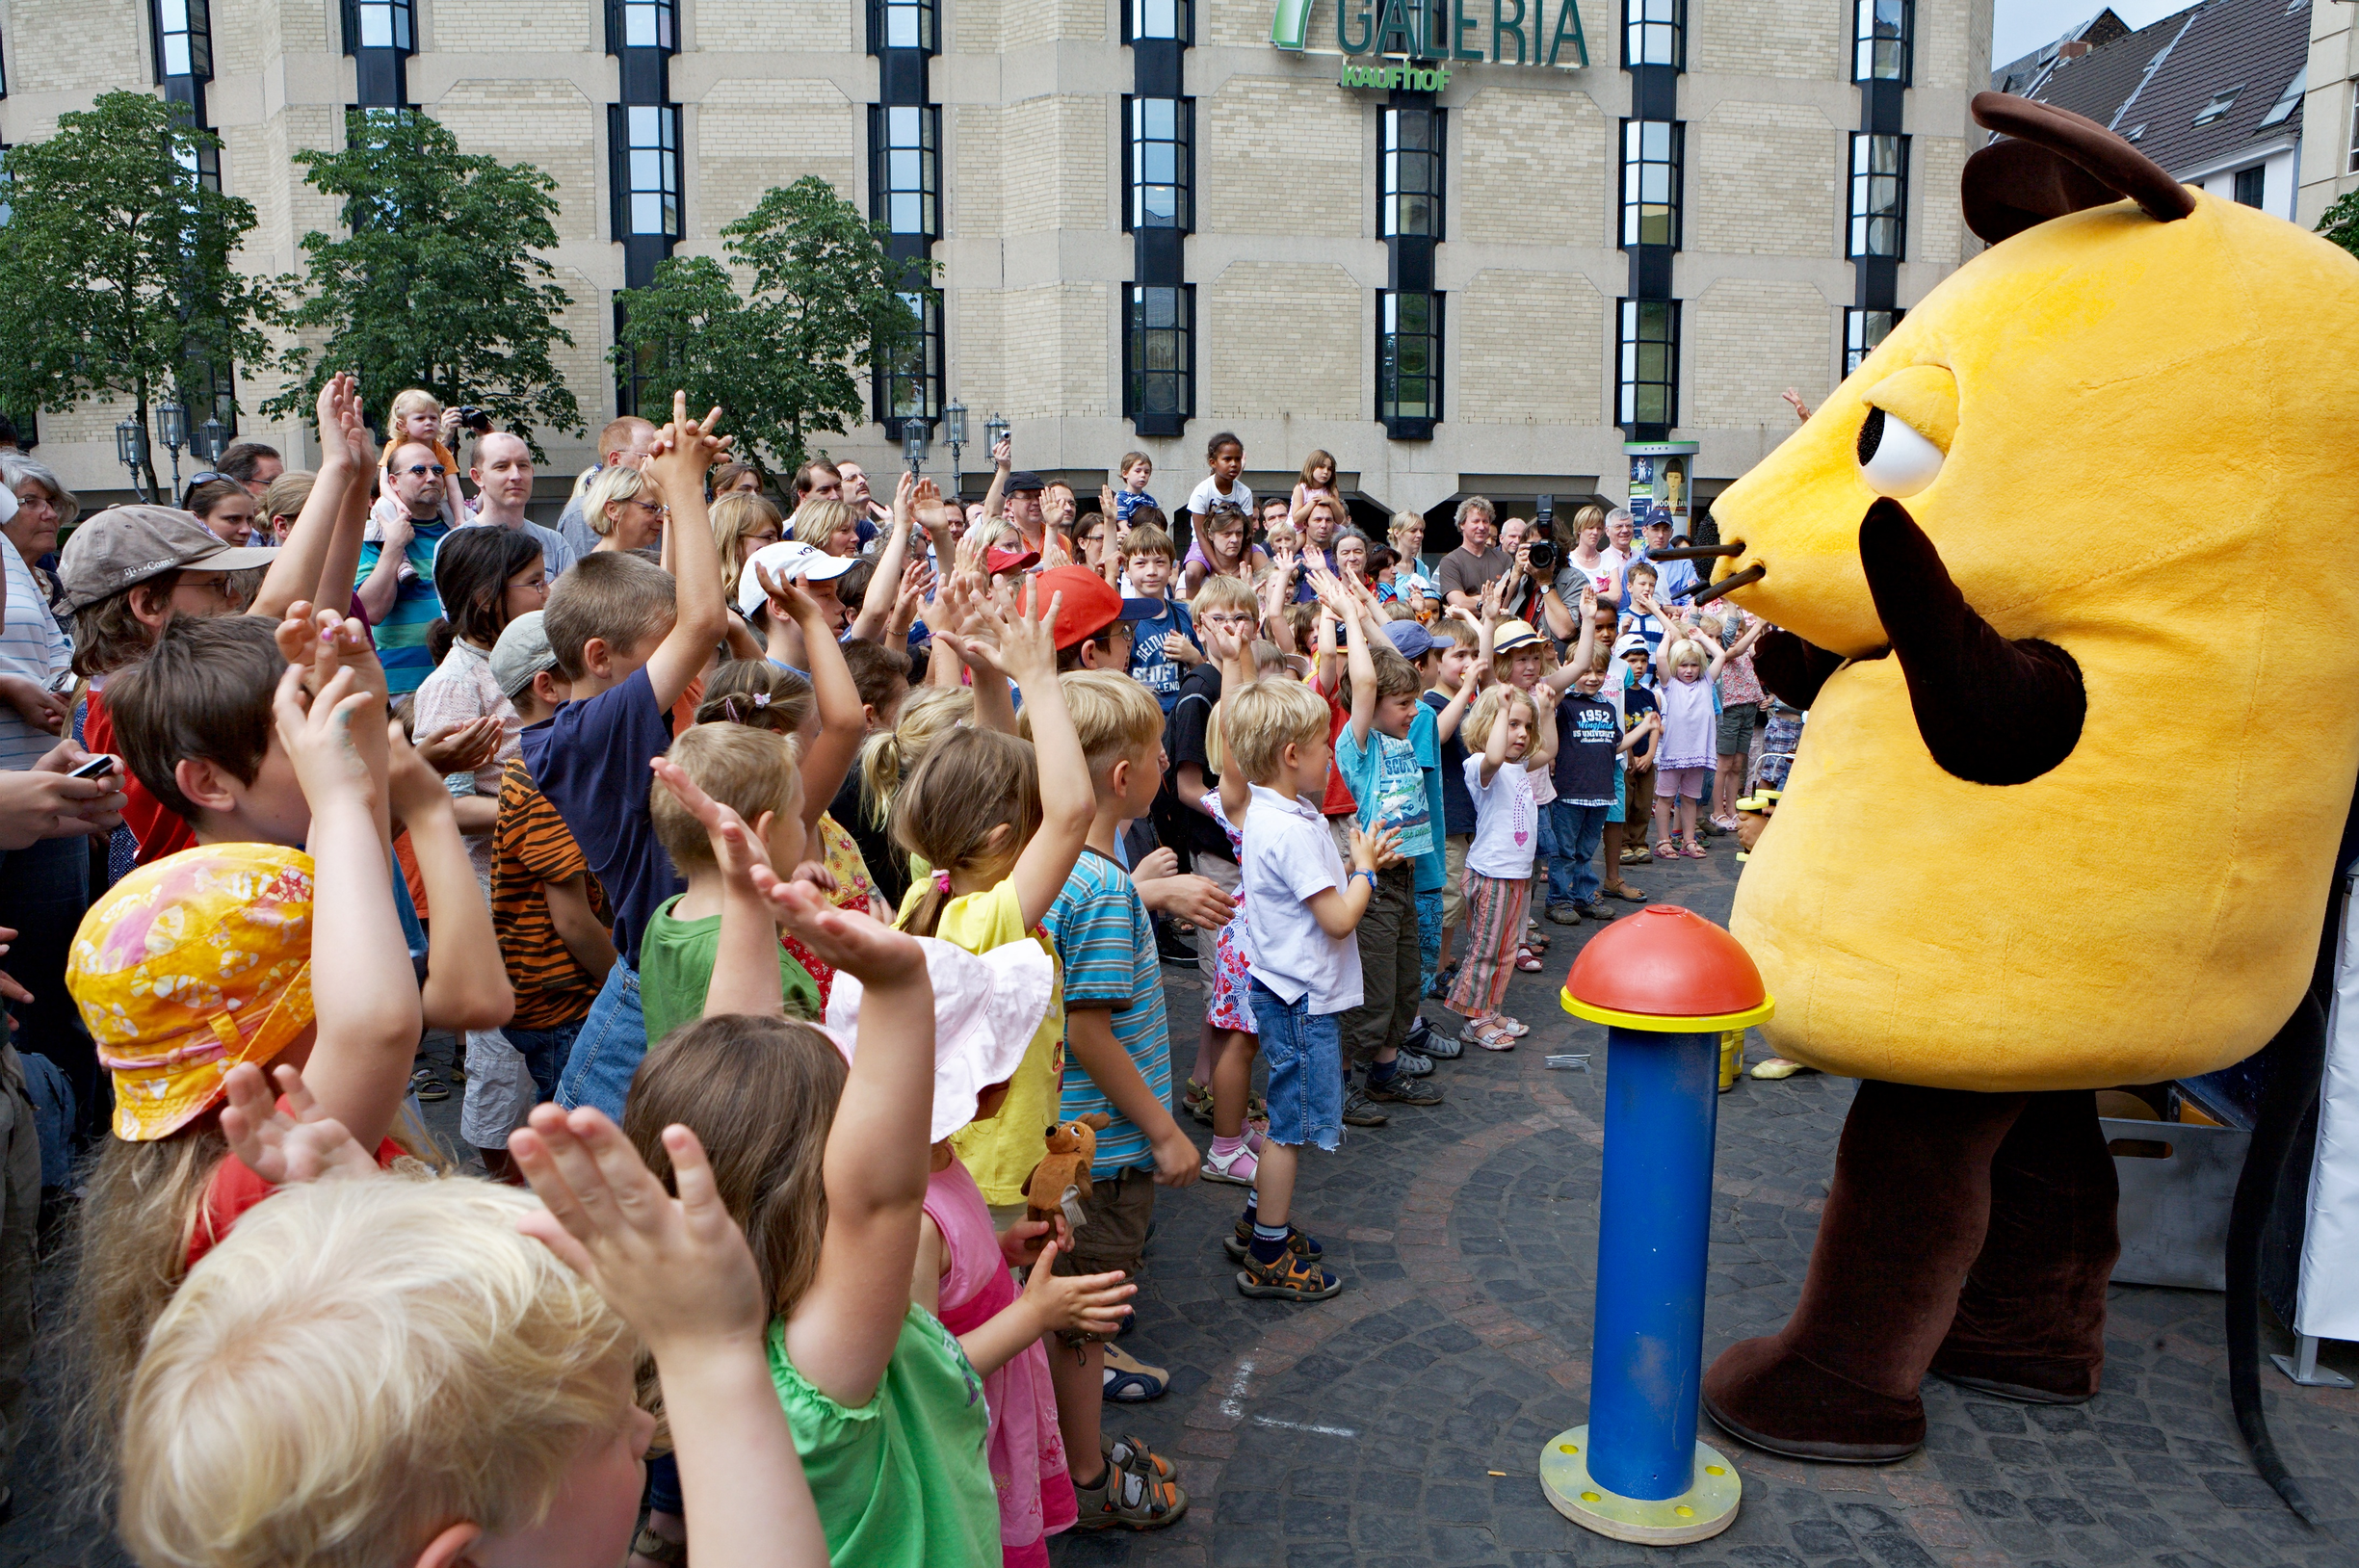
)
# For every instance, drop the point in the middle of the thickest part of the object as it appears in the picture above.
(2340, 222)
(114, 260)
(783, 359)
(439, 281)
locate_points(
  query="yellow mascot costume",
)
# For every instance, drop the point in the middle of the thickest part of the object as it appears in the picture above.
(2080, 751)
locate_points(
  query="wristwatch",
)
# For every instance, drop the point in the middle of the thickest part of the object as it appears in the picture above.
(1370, 874)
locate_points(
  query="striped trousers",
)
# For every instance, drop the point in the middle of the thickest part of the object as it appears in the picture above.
(1495, 909)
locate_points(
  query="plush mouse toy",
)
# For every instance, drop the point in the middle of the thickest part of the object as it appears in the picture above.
(1071, 1147)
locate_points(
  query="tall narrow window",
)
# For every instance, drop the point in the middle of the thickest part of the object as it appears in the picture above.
(905, 168)
(1410, 191)
(1651, 158)
(204, 165)
(1655, 33)
(2252, 185)
(1880, 196)
(646, 168)
(1159, 358)
(903, 24)
(1409, 362)
(909, 386)
(184, 38)
(1649, 368)
(1862, 332)
(1881, 39)
(642, 24)
(1157, 20)
(379, 24)
(1161, 163)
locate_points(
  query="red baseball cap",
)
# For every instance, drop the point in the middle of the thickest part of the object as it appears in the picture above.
(1011, 557)
(1090, 604)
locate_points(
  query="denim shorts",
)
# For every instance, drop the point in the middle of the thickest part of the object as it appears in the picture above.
(609, 1047)
(1305, 1054)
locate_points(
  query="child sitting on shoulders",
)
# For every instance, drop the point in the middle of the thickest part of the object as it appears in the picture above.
(1137, 469)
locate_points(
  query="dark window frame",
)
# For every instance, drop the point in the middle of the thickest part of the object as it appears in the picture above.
(2251, 187)
(1393, 192)
(882, 150)
(196, 30)
(1135, 18)
(925, 14)
(1633, 219)
(1873, 47)
(1631, 318)
(621, 151)
(1406, 420)
(1168, 416)
(1183, 140)
(664, 15)
(1658, 29)
(886, 380)
(1856, 343)
(1865, 223)
(401, 25)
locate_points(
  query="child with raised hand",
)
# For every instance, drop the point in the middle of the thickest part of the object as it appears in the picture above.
(1517, 733)
(826, 1171)
(172, 1017)
(1691, 705)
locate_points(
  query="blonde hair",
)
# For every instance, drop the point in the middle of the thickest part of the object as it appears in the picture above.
(749, 769)
(817, 521)
(1487, 709)
(1686, 651)
(1112, 715)
(359, 1364)
(736, 517)
(891, 755)
(613, 485)
(1404, 522)
(982, 539)
(404, 401)
(285, 497)
(972, 783)
(1266, 718)
(1219, 592)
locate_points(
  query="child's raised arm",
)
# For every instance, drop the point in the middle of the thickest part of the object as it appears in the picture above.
(884, 583)
(466, 981)
(680, 1271)
(1446, 722)
(295, 573)
(1068, 802)
(1362, 664)
(1236, 656)
(685, 450)
(366, 1019)
(843, 723)
(1495, 748)
(1544, 742)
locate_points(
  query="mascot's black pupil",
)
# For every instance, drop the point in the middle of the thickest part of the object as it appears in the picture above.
(1871, 435)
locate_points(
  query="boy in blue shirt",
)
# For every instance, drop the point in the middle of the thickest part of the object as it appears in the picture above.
(1162, 646)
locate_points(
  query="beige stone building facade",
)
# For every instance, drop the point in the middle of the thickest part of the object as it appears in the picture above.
(1153, 221)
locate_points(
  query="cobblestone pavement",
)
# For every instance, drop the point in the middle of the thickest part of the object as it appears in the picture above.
(1402, 1422)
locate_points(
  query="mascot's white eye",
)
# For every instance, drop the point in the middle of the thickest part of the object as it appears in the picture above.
(1894, 460)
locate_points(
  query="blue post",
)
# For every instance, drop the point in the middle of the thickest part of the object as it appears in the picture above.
(1646, 1356)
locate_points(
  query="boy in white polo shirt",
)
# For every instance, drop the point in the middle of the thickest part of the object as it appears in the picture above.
(1300, 913)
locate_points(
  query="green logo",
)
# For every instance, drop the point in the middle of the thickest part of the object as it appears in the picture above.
(1440, 32)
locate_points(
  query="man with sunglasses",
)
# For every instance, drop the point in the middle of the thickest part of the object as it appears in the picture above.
(396, 577)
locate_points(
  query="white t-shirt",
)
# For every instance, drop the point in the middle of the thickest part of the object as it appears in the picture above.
(1289, 856)
(1209, 495)
(34, 646)
(1507, 822)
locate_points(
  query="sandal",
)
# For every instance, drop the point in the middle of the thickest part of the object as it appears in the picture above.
(1485, 1032)
(1236, 1168)
(1129, 1454)
(1637, 856)
(1624, 892)
(1130, 1380)
(1669, 849)
(1514, 1028)
(655, 1548)
(1695, 850)
(1525, 961)
(1125, 1499)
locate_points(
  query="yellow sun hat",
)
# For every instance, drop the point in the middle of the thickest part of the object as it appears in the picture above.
(185, 968)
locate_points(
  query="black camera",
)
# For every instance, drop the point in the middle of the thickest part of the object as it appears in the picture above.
(1543, 537)
(474, 419)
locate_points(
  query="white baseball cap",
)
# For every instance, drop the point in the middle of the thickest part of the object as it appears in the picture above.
(788, 561)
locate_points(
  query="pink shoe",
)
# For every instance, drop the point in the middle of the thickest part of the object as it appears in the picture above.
(1695, 850)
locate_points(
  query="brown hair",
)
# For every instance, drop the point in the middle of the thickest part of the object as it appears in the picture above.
(108, 635)
(972, 783)
(757, 692)
(875, 671)
(1147, 539)
(204, 497)
(748, 769)
(760, 1094)
(1318, 456)
(736, 515)
(1396, 676)
(204, 692)
(612, 594)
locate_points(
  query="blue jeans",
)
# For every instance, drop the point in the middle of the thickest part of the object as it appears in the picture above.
(545, 1052)
(1305, 1054)
(1572, 875)
(612, 1043)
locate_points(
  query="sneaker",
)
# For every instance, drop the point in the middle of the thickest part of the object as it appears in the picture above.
(1237, 1169)
(1403, 1089)
(1292, 1278)
(1439, 1046)
(1415, 1064)
(1564, 914)
(1240, 1242)
(1591, 911)
(1418, 1032)
(1360, 1112)
(1129, 1497)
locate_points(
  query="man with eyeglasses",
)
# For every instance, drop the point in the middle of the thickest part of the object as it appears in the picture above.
(396, 577)
(503, 476)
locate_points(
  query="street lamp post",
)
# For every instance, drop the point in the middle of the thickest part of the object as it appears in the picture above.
(954, 431)
(916, 438)
(131, 451)
(208, 445)
(995, 431)
(173, 430)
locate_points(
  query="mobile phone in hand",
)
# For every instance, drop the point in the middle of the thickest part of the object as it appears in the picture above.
(97, 767)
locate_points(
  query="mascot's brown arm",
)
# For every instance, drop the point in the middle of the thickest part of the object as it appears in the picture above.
(1791, 670)
(1990, 711)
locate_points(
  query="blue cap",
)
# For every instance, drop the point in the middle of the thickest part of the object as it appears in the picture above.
(1142, 609)
(1409, 639)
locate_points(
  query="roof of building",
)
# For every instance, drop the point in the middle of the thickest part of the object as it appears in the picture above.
(2023, 74)
(2194, 87)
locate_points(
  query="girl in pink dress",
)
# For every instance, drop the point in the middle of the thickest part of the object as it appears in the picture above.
(1690, 722)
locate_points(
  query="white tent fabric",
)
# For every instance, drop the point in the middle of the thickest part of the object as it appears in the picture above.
(2327, 1307)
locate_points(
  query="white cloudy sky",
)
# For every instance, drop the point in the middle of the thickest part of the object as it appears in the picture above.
(2020, 26)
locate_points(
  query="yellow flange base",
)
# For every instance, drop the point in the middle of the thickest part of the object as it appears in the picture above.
(1697, 1514)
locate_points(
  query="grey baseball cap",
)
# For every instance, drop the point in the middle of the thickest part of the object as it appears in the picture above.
(124, 546)
(521, 653)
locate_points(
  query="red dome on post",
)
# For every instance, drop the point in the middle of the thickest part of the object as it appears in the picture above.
(1665, 962)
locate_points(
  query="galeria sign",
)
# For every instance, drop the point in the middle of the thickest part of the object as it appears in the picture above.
(1432, 31)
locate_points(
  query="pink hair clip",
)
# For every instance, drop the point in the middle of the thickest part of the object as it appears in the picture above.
(941, 882)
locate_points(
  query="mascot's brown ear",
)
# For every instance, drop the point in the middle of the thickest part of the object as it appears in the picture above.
(2056, 162)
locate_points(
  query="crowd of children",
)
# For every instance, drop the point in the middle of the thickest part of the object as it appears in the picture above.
(771, 968)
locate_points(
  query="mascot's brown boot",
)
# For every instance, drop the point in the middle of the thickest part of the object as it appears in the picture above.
(1905, 1222)
(2031, 1321)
